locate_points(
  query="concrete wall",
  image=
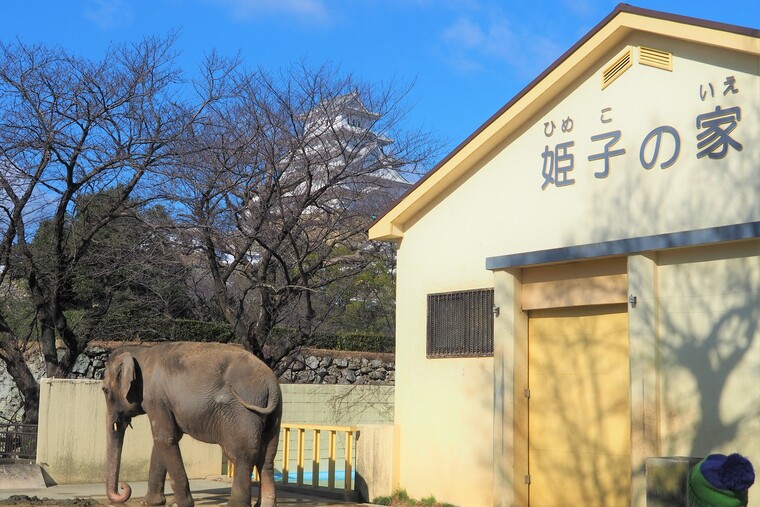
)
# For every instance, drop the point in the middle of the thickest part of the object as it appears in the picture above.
(71, 442)
(337, 404)
(341, 405)
(444, 407)
(377, 461)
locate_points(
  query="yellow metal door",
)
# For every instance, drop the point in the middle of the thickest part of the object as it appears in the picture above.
(579, 429)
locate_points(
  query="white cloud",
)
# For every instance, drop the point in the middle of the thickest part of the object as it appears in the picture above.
(472, 45)
(581, 8)
(310, 11)
(108, 14)
(464, 33)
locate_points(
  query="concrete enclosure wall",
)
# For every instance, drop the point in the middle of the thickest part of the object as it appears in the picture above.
(71, 442)
(377, 460)
(368, 407)
(337, 404)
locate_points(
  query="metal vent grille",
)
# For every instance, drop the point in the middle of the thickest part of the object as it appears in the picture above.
(615, 69)
(656, 58)
(460, 324)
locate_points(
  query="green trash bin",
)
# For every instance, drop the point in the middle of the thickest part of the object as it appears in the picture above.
(666, 480)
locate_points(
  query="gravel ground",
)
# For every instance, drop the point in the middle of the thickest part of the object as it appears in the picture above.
(33, 501)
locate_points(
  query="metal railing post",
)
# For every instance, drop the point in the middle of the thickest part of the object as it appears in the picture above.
(315, 461)
(349, 459)
(331, 461)
(316, 455)
(285, 455)
(300, 453)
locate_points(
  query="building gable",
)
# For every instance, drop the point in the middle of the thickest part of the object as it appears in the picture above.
(631, 47)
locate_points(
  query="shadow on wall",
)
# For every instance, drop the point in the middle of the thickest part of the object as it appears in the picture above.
(703, 332)
(706, 348)
(703, 342)
(710, 351)
(705, 318)
(702, 339)
(579, 422)
(342, 405)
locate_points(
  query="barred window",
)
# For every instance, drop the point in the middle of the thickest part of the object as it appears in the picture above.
(460, 324)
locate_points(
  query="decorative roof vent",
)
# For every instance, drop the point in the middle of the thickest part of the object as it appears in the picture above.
(615, 69)
(656, 58)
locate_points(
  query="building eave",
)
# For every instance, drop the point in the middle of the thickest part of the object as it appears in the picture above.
(611, 31)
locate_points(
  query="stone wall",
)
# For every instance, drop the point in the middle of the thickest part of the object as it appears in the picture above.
(11, 408)
(90, 364)
(338, 367)
(309, 366)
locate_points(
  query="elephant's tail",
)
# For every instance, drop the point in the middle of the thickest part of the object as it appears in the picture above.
(273, 401)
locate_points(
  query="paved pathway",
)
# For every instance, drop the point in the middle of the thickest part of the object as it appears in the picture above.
(205, 492)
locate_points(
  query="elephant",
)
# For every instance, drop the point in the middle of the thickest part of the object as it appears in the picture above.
(214, 392)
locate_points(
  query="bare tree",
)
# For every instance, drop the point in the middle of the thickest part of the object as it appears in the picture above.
(12, 349)
(281, 183)
(71, 127)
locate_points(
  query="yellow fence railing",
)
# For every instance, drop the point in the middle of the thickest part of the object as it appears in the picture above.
(309, 447)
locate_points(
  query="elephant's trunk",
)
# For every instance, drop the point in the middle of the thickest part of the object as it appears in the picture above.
(114, 444)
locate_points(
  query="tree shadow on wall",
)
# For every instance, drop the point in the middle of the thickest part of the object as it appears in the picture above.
(702, 336)
(709, 353)
(579, 408)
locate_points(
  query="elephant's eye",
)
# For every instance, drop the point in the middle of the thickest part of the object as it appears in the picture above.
(105, 390)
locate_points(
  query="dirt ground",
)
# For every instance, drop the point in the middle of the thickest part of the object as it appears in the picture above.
(33, 501)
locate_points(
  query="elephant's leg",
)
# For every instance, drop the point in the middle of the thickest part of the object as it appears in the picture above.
(156, 481)
(265, 464)
(240, 496)
(166, 436)
(172, 458)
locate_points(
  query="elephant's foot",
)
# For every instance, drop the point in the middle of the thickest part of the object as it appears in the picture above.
(158, 499)
(266, 503)
(189, 502)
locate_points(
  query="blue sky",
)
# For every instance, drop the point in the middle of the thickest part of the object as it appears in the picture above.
(467, 58)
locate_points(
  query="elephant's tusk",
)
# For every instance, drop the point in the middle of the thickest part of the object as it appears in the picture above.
(114, 427)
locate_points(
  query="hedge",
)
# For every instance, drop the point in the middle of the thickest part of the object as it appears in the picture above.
(365, 342)
(193, 330)
(340, 340)
(188, 330)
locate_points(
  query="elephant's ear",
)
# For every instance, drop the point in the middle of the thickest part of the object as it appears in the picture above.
(127, 374)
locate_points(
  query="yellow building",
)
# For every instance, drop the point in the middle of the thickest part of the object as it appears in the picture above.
(579, 281)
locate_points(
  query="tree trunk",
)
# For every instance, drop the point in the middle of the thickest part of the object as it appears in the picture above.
(17, 368)
(53, 325)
